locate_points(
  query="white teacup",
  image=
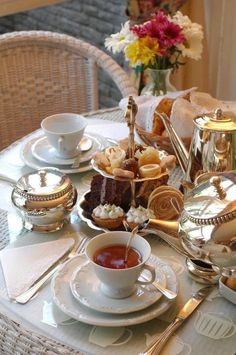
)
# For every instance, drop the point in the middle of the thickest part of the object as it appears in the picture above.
(64, 132)
(120, 283)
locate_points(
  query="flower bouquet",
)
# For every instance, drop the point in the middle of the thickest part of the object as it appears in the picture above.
(159, 45)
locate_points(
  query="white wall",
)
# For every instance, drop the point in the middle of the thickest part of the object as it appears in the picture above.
(221, 39)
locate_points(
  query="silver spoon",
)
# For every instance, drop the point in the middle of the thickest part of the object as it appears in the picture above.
(84, 145)
(136, 229)
(164, 291)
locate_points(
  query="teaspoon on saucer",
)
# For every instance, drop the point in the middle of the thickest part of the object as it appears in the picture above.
(164, 291)
(84, 145)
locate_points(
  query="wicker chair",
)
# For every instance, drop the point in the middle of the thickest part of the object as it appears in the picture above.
(42, 73)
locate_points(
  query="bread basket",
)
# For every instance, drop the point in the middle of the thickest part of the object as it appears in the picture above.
(155, 140)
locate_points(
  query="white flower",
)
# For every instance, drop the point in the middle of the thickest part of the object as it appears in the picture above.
(192, 47)
(193, 33)
(181, 20)
(118, 41)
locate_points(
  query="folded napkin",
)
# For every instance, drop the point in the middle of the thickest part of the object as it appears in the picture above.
(148, 104)
(23, 266)
(187, 104)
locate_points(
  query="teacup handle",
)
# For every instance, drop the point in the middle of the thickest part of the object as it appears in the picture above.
(152, 271)
(60, 144)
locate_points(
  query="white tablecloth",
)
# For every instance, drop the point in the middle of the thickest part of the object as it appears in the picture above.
(210, 330)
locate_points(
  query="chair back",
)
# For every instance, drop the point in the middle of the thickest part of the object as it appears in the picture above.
(43, 73)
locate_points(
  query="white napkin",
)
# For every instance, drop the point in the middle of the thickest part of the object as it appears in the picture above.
(24, 265)
(182, 112)
(148, 104)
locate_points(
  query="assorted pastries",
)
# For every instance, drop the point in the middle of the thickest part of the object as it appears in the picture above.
(108, 202)
(146, 162)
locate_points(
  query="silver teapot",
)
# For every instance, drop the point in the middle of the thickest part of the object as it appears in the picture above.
(207, 225)
(213, 145)
(45, 199)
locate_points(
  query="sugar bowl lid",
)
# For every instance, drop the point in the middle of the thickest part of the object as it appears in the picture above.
(213, 201)
(217, 121)
(46, 184)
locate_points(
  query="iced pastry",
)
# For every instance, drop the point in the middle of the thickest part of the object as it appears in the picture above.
(137, 215)
(115, 155)
(108, 216)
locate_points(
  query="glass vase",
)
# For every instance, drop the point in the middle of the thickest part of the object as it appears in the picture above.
(157, 82)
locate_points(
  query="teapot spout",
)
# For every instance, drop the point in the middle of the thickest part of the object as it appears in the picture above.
(178, 146)
(171, 227)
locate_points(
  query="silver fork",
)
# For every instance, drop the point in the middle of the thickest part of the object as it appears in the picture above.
(27, 295)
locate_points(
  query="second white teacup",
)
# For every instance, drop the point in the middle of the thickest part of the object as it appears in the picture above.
(64, 131)
(120, 282)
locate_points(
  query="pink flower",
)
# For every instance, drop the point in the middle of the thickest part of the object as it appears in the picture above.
(152, 27)
(170, 35)
(160, 27)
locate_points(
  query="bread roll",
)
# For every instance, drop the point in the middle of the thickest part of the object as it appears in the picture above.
(231, 283)
(165, 106)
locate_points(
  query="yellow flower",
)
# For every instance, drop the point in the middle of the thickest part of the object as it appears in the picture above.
(142, 50)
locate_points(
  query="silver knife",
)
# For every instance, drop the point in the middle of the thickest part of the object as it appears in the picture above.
(189, 307)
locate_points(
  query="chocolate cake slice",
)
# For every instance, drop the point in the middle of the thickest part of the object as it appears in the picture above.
(104, 190)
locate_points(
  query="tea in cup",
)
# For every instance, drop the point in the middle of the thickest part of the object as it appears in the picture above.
(64, 131)
(117, 273)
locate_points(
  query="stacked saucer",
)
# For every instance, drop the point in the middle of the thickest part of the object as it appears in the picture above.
(76, 291)
(38, 153)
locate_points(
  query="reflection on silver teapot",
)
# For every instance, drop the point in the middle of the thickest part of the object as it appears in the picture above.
(207, 225)
(213, 146)
(45, 199)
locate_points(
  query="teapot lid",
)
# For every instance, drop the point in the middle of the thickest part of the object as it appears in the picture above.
(213, 201)
(43, 185)
(218, 121)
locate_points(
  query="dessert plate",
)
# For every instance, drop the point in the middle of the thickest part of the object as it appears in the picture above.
(63, 298)
(85, 287)
(92, 224)
(43, 151)
(32, 162)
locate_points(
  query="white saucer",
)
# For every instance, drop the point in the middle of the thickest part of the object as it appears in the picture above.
(43, 151)
(29, 160)
(85, 287)
(63, 298)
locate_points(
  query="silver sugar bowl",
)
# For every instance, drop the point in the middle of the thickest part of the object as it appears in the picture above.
(45, 199)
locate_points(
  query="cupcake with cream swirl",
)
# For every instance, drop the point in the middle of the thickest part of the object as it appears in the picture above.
(108, 216)
(138, 215)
